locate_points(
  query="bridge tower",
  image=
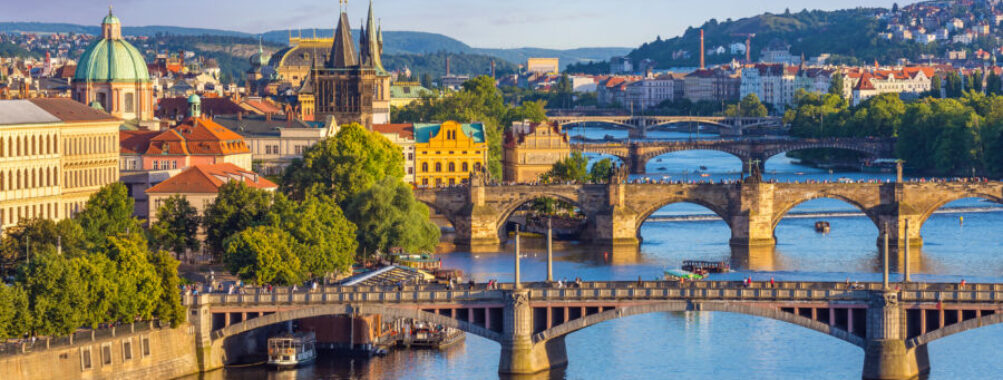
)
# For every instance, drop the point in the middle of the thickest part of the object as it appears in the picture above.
(886, 355)
(617, 225)
(752, 223)
(520, 355)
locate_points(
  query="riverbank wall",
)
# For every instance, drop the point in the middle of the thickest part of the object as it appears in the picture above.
(138, 351)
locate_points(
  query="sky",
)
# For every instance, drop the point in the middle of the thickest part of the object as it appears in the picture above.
(560, 24)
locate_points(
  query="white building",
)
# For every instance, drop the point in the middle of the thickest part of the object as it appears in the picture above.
(584, 84)
(651, 91)
(909, 82)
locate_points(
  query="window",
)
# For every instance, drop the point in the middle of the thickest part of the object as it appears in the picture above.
(424, 181)
(106, 354)
(127, 349)
(299, 150)
(85, 359)
(410, 156)
(452, 182)
(129, 103)
(410, 170)
(438, 167)
(465, 167)
(424, 167)
(146, 346)
(174, 164)
(452, 167)
(156, 165)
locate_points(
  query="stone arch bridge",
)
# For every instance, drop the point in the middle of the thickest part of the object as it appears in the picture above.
(639, 125)
(636, 154)
(752, 208)
(531, 321)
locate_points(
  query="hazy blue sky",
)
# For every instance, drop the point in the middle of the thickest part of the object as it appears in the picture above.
(479, 23)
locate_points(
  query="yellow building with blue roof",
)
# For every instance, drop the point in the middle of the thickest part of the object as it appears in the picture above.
(446, 153)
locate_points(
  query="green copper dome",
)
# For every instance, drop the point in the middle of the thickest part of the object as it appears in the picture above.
(111, 60)
(110, 19)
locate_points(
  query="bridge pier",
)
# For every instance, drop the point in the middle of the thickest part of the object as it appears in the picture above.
(752, 224)
(886, 355)
(520, 355)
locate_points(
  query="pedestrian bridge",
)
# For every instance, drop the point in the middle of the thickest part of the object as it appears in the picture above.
(530, 322)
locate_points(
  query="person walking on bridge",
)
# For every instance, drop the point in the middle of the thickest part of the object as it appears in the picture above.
(771, 281)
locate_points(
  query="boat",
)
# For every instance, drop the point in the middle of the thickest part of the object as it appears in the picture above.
(703, 167)
(424, 335)
(292, 350)
(822, 227)
(705, 174)
(705, 267)
(677, 274)
(662, 168)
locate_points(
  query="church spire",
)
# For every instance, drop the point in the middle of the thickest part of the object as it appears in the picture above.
(343, 49)
(371, 42)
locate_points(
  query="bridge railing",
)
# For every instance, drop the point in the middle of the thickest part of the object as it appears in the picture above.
(608, 290)
(83, 336)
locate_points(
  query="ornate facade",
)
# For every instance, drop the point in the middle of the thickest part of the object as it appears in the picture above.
(446, 154)
(112, 75)
(532, 149)
(353, 88)
(54, 154)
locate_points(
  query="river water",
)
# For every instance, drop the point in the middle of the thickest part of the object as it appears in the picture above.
(716, 345)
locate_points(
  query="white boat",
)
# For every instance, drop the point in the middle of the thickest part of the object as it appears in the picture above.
(292, 350)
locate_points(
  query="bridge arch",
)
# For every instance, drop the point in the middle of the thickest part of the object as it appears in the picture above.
(782, 211)
(509, 208)
(853, 145)
(955, 196)
(742, 158)
(673, 306)
(956, 328)
(390, 312)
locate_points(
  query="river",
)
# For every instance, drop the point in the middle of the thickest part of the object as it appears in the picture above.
(716, 345)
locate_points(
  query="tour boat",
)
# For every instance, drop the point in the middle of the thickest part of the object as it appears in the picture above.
(676, 274)
(822, 227)
(292, 350)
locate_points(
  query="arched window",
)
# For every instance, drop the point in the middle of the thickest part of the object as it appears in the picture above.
(424, 167)
(34, 146)
(452, 167)
(438, 167)
(465, 167)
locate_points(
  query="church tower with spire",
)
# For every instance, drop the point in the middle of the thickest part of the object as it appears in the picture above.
(353, 87)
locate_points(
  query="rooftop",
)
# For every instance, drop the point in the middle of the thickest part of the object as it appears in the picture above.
(208, 178)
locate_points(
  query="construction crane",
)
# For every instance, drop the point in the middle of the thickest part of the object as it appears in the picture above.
(748, 44)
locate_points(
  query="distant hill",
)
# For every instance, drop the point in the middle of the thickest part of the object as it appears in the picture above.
(46, 27)
(851, 36)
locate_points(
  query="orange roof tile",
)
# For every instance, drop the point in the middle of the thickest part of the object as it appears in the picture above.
(208, 178)
(404, 130)
(134, 142)
(198, 136)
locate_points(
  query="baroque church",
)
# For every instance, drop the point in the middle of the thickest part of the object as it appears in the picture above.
(350, 87)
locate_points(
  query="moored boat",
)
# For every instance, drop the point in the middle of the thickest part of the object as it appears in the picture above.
(292, 350)
(677, 274)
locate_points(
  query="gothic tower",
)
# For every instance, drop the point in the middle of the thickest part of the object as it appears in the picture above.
(353, 87)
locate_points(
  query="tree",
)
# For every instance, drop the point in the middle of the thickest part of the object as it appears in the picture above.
(602, 171)
(573, 168)
(534, 111)
(33, 235)
(954, 86)
(168, 306)
(895, 7)
(994, 86)
(137, 285)
(236, 207)
(326, 236)
(388, 216)
(263, 255)
(563, 93)
(350, 162)
(935, 86)
(56, 294)
(750, 106)
(15, 318)
(837, 85)
(177, 225)
(107, 213)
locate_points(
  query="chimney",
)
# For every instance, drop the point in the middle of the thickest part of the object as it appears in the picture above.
(268, 116)
(748, 49)
(447, 65)
(702, 66)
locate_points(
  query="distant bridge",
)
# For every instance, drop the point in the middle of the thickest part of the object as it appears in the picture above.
(639, 125)
(636, 154)
(530, 322)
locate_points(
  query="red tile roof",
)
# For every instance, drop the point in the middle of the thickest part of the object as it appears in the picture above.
(208, 178)
(70, 111)
(198, 136)
(134, 142)
(261, 106)
(404, 130)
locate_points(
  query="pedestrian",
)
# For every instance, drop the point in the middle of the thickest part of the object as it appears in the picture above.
(771, 281)
(962, 283)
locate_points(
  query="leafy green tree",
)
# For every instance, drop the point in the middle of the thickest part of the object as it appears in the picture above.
(837, 84)
(977, 81)
(534, 111)
(138, 287)
(350, 162)
(236, 207)
(935, 86)
(572, 168)
(602, 171)
(954, 87)
(108, 213)
(326, 237)
(15, 318)
(387, 216)
(168, 306)
(563, 93)
(33, 235)
(97, 274)
(994, 86)
(263, 255)
(750, 106)
(56, 294)
(177, 226)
